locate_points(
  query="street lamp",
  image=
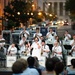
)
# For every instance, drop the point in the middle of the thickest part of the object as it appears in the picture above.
(49, 4)
(50, 15)
(27, 13)
(33, 5)
(39, 13)
(31, 13)
(18, 13)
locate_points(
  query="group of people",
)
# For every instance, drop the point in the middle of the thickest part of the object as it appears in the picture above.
(48, 46)
(31, 66)
(53, 66)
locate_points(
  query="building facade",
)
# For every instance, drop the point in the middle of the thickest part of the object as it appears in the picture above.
(54, 6)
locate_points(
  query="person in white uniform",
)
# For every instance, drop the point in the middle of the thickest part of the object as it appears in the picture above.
(67, 36)
(51, 35)
(22, 44)
(72, 43)
(37, 34)
(12, 50)
(27, 49)
(57, 50)
(57, 40)
(73, 51)
(2, 48)
(45, 49)
(24, 32)
(2, 43)
(36, 48)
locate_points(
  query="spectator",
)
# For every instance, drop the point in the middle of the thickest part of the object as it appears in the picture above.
(49, 67)
(59, 68)
(37, 65)
(55, 60)
(20, 67)
(31, 64)
(27, 70)
(71, 69)
(17, 68)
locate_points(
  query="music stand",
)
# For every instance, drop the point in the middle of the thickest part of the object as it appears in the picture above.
(67, 47)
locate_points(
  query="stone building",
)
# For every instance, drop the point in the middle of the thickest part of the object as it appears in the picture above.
(54, 6)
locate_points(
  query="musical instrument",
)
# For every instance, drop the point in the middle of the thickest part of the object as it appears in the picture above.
(1, 41)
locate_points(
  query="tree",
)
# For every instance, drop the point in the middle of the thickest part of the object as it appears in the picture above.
(39, 16)
(16, 12)
(70, 6)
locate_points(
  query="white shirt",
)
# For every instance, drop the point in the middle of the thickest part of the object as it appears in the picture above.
(37, 34)
(30, 71)
(57, 41)
(22, 46)
(57, 50)
(27, 49)
(45, 50)
(25, 33)
(51, 36)
(13, 50)
(73, 52)
(71, 42)
(36, 51)
(67, 37)
(2, 43)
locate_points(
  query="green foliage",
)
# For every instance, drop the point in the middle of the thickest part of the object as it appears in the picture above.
(34, 21)
(16, 11)
(37, 17)
(11, 24)
(70, 6)
(19, 11)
